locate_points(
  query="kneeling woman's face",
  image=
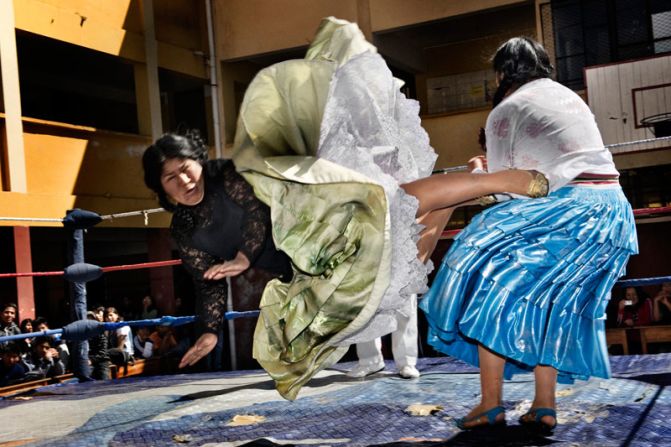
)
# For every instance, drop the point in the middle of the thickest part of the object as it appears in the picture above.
(182, 180)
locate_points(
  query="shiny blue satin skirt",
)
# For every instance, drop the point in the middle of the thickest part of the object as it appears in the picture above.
(530, 280)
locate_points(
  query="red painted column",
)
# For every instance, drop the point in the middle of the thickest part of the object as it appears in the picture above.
(24, 263)
(161, 279)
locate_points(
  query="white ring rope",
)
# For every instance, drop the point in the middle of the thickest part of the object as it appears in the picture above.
(146, 213)
(630, 143)
(609, 146)
(132, 213)
(33, 219)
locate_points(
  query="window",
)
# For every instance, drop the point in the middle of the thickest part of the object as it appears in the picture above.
(591, 32)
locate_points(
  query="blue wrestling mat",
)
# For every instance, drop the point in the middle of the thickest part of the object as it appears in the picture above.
(633, 408)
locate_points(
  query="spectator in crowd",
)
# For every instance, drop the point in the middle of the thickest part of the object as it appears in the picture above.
(148, 309)
(25, 345)
(661, 308)
(634, 309)
(41, 324)
(120, 340)
(45, 361)
(12, 367)
(7, 324)
(163, 340)
(142, 345)
(180, 309)
(98, 355)
(127, 308)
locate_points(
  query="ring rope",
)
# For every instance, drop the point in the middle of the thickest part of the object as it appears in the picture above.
(132, 213)
(608, 146)
(113, 216)
(445, 234)
(142, 265)
(85, 329)
(32, 219)
(114, 268)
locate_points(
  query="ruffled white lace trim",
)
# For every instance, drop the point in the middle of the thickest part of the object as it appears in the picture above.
(370, 127)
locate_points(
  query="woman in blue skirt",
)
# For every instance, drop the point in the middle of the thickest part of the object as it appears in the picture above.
(525, 286)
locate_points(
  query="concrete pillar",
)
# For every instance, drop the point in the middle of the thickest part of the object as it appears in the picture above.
(14, 156)
(161, 279)
(147, 87)
(24, 263)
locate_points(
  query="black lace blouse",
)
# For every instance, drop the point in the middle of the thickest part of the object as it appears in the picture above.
(229, 219)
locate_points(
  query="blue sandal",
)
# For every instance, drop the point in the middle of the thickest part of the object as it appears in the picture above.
(532, 419)
(491, 419)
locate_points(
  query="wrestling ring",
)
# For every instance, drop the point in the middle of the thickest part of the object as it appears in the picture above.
(242, 408)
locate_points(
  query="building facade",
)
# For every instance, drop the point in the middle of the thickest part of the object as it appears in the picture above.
(88, 84)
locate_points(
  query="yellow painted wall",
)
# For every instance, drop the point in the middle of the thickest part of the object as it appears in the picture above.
(79, 167)
(231, 72)
(455, 137)
(391, 14)
(642, 159)
(116, 28)
(474, 55)
(250, 27)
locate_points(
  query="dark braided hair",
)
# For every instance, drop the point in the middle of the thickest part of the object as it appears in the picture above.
(171, 145)
(519, 60)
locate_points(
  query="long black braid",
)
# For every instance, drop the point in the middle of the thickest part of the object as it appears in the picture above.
(519, 60)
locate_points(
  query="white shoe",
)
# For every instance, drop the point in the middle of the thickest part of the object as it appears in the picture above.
(408, 372)
(360, 371)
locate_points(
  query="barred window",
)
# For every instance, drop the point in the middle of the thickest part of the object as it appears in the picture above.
(592, 32)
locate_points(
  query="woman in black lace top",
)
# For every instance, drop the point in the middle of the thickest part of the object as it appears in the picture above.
(219, 226)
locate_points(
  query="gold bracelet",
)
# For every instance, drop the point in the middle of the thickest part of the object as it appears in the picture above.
(539, 186)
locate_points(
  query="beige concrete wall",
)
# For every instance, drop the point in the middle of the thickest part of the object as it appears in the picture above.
(474, 54)
(116, 28)
(250, 27)
(391, 14)
(231, 73)
(643, 159)
(79, 167)
(455, 137)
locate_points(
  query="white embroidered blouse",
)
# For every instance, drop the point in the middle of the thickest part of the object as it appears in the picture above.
(546, 127)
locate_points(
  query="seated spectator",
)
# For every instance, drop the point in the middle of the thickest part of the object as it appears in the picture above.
(661, 309)
(12, 367)
(120, 341)
(45, 361)
(163, 340)
(148, 310)
(142, 345)
(98, 355)
(7, 324)
(25, 345)
(127, 308)
(634, 309)
(40, 324)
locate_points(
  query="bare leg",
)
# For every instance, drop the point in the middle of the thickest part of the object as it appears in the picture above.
(445, 190)
(435, 222)
(491, 386)
(546, 384)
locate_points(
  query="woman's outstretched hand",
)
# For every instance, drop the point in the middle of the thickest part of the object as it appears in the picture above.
(204, 345)
(233, 267)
